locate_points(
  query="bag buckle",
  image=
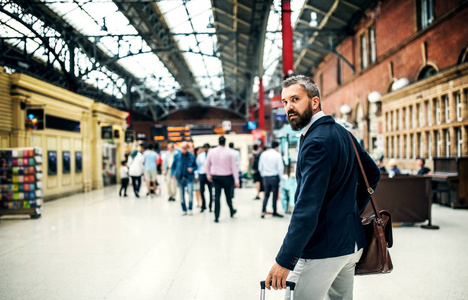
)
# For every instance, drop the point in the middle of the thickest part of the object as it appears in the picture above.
(370, 190)
(379, 221)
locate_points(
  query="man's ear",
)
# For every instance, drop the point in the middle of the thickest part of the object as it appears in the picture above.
(315, 103)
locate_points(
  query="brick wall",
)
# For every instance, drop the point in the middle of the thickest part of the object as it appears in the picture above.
(399, 44)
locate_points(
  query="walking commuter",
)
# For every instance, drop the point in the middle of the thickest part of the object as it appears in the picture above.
(167, 164)
(236, 154)
(151, 171)
(271, 168)
(253, 164)
(221, 169)
(196, 181)
(136, 168)
(325, 236)
(123, 178)
(201, 159)
(183, 169)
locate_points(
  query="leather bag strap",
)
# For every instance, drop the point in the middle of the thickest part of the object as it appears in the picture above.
(369, 189)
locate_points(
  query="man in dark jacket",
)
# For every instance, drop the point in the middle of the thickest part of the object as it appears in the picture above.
(325, 236)
(183, 169)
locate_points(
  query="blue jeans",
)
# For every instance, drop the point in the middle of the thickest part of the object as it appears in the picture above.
(182, 184)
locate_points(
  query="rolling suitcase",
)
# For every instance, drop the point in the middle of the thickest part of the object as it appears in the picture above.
(289, 284)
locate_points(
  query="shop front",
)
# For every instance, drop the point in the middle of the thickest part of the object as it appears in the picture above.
(82, 142)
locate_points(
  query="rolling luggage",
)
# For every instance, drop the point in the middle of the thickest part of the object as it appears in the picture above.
(289, 284)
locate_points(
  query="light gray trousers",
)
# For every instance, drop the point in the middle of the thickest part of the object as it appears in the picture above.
(324, 279)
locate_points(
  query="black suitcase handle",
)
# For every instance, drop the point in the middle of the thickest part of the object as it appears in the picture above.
(289, 284)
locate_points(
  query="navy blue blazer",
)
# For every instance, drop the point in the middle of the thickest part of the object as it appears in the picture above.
(330, 197)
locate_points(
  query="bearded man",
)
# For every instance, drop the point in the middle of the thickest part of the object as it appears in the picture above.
(325, 235)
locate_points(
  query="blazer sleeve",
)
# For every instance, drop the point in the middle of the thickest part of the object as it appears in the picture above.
(174, 165)
(194, 163)
(315, 172)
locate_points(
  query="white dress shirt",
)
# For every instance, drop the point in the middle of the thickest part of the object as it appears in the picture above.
(270, 163)
(201, 159)
(236, 157)
(312, 120)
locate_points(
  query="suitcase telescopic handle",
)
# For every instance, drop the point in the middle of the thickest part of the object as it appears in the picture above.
(289, 284)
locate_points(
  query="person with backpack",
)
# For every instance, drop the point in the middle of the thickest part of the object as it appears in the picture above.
(254, 158)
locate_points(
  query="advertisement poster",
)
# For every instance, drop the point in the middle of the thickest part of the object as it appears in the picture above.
(66, 162)
(78, 162)
(52, 162)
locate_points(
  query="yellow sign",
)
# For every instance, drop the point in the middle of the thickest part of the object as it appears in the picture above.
(219, 130)
(178, 128)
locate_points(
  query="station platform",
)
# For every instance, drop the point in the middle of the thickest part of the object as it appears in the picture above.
(98, 245)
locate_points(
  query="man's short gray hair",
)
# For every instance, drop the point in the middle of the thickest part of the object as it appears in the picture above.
(306, 82)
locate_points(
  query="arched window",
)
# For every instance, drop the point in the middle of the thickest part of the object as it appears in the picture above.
(426, 72)
(463, 58)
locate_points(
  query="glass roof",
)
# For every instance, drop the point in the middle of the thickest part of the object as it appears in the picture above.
(188, 17)
(189, 22)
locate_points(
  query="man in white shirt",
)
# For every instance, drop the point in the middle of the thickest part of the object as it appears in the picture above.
(271, 169)
(201, 159)
(236, 154)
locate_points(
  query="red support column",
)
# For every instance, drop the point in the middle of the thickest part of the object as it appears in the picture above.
(261, 106)
(129, 118)
(288, 53)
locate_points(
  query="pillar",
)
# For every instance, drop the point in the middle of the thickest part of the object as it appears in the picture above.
(464, 136)
(464, 103)
(288, 53)
(261, 106)
(453, 141)
(425, 153)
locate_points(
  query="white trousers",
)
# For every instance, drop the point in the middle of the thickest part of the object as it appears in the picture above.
(171, 185)
(324, 279)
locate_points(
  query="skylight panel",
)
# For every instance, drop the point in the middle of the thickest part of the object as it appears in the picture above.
(14, 27)
(197, 48)
(112, 32)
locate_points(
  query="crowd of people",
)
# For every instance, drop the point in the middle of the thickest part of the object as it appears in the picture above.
(205, 172)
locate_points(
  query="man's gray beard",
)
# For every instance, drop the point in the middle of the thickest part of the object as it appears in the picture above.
(302, 120)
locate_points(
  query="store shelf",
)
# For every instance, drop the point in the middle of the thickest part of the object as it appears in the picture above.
(20, 182)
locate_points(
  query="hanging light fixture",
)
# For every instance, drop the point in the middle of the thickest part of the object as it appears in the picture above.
(210, 23)
(345, 109)
(104, 27)
(374, 97)
(313, 19)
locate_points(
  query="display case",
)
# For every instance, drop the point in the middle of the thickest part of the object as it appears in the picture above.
(20, 182)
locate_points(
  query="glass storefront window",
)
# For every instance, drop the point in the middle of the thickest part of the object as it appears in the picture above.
(459, 106)
(428, 113)
(447, 143)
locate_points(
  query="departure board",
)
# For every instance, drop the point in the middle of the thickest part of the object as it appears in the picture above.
(178, 133)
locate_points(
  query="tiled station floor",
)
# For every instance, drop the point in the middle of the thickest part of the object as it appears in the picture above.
(98, 245)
